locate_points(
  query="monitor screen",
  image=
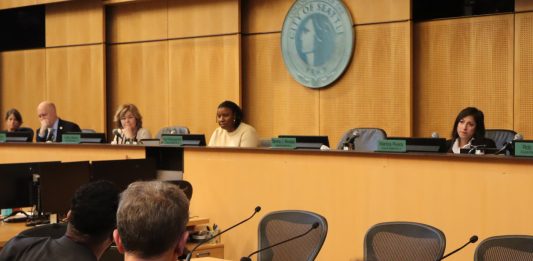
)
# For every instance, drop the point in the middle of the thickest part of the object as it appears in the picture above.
(124, 172)
(423, 144)
(58, 183)
(86, 137)
(308, 142)
(16, 185)
(19, 136)
(190, 139)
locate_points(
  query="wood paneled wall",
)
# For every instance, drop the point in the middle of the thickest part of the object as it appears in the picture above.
(6, 4)
(460, 63)
(176, 60)
(375, 90)
(22, 84)
(523, 97)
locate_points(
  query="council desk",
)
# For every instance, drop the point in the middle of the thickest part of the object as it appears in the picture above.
(462, 195)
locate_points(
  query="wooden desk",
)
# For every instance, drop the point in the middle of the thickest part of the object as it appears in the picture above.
(460, 194)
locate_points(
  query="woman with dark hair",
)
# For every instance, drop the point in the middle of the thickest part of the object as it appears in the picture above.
(128, 122)
(232, 131)
(13, 120)
(469, 130)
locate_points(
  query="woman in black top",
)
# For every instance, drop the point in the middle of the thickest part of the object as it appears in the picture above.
(468, 131)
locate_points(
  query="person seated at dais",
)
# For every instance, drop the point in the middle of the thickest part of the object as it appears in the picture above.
(232, 131)
(128, 122)
(14, 121)
(469, 130)
(52, 127)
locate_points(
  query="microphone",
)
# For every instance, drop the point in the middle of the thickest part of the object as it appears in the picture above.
(348, 144)
(473, 239)
(118, 135)
(509, 145)
(435, 135)
(257, 209)
(314, 226)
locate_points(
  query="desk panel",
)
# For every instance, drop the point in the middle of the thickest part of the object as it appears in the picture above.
(36, 152)
(460, 194)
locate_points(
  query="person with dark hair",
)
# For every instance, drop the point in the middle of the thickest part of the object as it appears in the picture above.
(91, 221)
(52, 127)
(469, 130)
(13, 120)
(232, 131)
(129, 125)
(152, 221)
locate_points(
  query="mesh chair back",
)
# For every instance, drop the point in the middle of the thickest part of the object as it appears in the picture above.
(172, 130)
(49, 230)
(26, 129)
(367, 141)
(404, 241)
(184, 185)
(504, 248)
(281, 225)
(500, 137)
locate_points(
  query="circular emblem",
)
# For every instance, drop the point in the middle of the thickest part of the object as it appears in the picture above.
(317, 41)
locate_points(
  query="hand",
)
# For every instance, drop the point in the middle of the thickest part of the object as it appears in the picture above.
(128, 132)
(45, 124)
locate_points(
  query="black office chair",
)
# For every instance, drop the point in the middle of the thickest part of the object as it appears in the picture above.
(281, 225)
(505, 248)
(49, 230)
(172, 130)
(367, 139)
(500, 136)
(184, 185)
(404, 241)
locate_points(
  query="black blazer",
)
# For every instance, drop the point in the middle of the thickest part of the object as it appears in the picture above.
(476, 142)
(63, 127)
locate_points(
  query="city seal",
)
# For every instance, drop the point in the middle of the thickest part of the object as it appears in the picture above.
(317, 41)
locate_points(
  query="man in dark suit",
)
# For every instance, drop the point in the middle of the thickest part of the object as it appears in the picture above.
(52, 127)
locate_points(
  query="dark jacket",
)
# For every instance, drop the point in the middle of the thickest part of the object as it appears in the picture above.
(62, 128)
(488, 143)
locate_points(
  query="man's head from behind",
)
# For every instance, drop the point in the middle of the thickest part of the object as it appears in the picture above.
(93, 211)
(151, 220)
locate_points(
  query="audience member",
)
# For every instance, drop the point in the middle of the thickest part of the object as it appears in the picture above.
(152, 218)
(91, 221)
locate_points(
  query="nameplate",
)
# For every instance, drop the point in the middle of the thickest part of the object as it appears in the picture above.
(284, 143)
(71, 138)
(523, 149)
(392, 146)
(3, 137)
(172, 140)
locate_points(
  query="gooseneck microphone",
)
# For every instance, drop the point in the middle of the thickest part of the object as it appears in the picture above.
(314, 226)
(473, 239)
(348, 144)
(509, 145)
(188, 258)
(118, 135)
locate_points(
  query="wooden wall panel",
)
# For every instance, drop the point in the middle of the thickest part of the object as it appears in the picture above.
(137, 21)
(76, 22)
(202, 17)
(459, 63)
(375, 90)
(523, 106)
(138, 74)
(523, 5)
(75, 83)
(273, 102)
(203, 73)
(22, 84)
(268, 15)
